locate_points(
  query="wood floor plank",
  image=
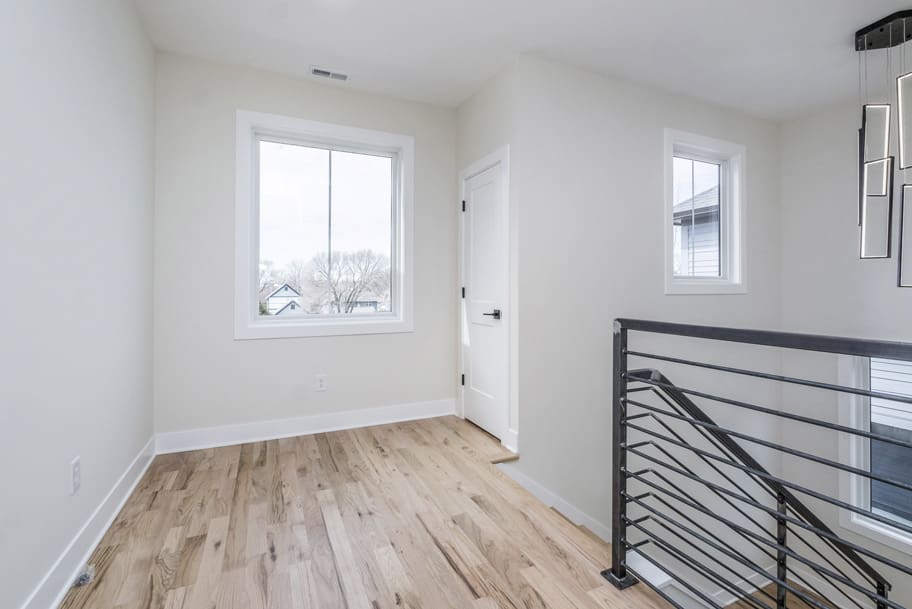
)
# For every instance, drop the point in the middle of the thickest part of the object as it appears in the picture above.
(205, 588)
(349, 574)
(402, 516)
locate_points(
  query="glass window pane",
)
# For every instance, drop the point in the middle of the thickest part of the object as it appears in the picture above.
(697, 213)
(294, 226)
(360, 280)
(894, 420)
(325, 231)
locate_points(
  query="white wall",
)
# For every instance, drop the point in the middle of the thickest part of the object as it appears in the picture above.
(75, 251)
(203, 377)
(826, 288)
(587, 180)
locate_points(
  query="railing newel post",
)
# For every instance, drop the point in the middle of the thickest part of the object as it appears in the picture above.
(618, 574)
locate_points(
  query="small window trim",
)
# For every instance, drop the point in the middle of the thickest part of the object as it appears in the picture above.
(732, 158)
(855, 411)
(251, 127)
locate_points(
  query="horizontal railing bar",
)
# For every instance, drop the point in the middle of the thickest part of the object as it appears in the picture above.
(681, 499)
(788, 551)
(797, 576)
(702, 569)
(690, 588)
(661, 543)
(678, 408)
(767, 476)
(634, 417)
(776, 377)
(737, 451)
(712, 440)
(716, 469)
(810, 528)
(772, 445)
(705, 531)
(636, 389)
(785, 340)
(701, 527)
(753, 566)
(770, 411)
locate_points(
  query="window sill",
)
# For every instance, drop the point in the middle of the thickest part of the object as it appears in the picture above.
(706, 287)
(320, 327)
(876, 531)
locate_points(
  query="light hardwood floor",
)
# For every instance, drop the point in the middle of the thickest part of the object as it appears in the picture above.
(395, 516)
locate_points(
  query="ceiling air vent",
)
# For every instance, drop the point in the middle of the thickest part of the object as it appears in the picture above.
(324, 73)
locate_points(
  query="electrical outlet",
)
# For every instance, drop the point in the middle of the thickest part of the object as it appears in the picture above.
(75, 475)
(321, 382)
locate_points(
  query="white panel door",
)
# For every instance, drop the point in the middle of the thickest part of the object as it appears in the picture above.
(486, 309)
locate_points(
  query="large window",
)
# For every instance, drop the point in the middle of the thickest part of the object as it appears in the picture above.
(887, 459)
(893, 420)
(323, 229)
(704, 198)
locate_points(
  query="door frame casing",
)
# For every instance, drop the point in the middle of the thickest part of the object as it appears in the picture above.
(499, 156)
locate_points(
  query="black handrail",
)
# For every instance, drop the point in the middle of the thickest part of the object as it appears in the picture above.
(789, 511)
(786, 340)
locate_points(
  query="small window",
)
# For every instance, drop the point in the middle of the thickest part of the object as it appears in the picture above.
(323, 229)
(703, 215)
(697, 215)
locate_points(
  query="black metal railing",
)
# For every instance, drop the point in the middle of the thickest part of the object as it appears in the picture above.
(690, 498)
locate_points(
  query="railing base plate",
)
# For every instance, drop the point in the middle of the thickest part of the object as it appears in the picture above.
(619, 583)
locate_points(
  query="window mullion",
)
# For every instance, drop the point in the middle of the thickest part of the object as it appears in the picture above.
(329, 223)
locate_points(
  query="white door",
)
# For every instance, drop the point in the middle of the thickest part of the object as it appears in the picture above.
(486, 307)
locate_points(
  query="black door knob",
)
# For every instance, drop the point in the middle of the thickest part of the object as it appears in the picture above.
(495, 314)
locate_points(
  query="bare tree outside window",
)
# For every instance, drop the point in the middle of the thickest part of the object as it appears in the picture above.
(353, 280)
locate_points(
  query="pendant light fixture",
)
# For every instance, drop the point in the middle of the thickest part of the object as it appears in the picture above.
(883, 44)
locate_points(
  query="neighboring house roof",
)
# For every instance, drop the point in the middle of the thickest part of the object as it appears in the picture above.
(291, 305)
(703, 202)
(280, 288)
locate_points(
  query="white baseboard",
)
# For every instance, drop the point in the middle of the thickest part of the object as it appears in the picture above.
(511, 440)
(554, 500)
(227, 435)
(57, 581)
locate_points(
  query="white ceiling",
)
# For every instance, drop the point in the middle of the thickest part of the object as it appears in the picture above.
(771, 58)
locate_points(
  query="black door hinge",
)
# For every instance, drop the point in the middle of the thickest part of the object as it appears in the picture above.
(463, 206)
(463, 380)
(463, 291)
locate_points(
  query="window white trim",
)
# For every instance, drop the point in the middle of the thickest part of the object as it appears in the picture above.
(854, 411)
(732, 158)
(248, 323)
